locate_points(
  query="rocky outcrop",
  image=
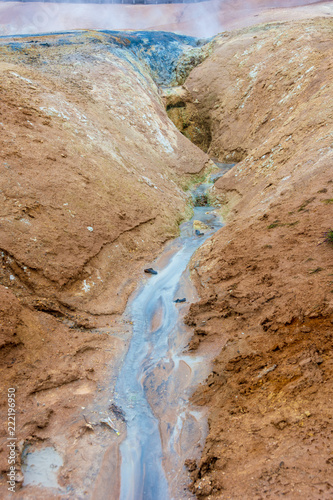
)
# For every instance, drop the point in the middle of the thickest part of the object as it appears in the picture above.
(265, 278)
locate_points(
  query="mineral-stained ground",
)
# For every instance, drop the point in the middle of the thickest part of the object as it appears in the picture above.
(266, 279)
(200, 19)
(91, 176)
(92, 171)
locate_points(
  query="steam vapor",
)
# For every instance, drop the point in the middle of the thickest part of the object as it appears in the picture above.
(203, 19)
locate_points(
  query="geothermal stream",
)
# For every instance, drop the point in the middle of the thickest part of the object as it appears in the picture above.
(157, 377)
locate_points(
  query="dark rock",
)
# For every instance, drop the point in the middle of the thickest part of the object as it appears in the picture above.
(177, 301)
(201, 201)
(150, 271)
(198, 233)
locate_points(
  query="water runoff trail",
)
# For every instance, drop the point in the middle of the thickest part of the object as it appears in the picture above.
(142, 473)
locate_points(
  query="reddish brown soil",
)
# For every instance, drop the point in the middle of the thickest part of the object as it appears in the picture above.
(90, 174)
(266, 278)
(70, 163)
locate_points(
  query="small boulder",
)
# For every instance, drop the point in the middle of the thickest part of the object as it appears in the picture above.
(151, 271)
(197, 224)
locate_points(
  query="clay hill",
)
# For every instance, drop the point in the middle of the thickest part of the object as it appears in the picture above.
(93, 172)
(265, 97)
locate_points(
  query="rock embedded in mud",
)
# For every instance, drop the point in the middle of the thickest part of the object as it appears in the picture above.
(201, 201)
(198, 225)
(150, 270)
(190, 464)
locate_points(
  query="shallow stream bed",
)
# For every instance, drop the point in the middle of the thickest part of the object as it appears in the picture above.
(153, 388)
(158, 376)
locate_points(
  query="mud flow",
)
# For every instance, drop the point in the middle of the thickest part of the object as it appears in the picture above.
(157, 377)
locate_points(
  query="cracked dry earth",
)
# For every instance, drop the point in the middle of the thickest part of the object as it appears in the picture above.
(262, 97)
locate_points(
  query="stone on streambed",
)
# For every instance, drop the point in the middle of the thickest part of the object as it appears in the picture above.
(151, 271)
(201, 226)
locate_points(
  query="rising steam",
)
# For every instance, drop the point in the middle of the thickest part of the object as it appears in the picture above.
(203, 19)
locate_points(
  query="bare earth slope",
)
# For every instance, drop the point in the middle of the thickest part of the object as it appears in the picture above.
(90, 174)
(88, 162)
(266, 278)
(91, 168)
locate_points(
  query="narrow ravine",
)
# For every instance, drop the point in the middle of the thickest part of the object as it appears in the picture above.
(153, 365)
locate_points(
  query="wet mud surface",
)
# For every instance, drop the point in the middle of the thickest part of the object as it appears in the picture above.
(157, 377)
